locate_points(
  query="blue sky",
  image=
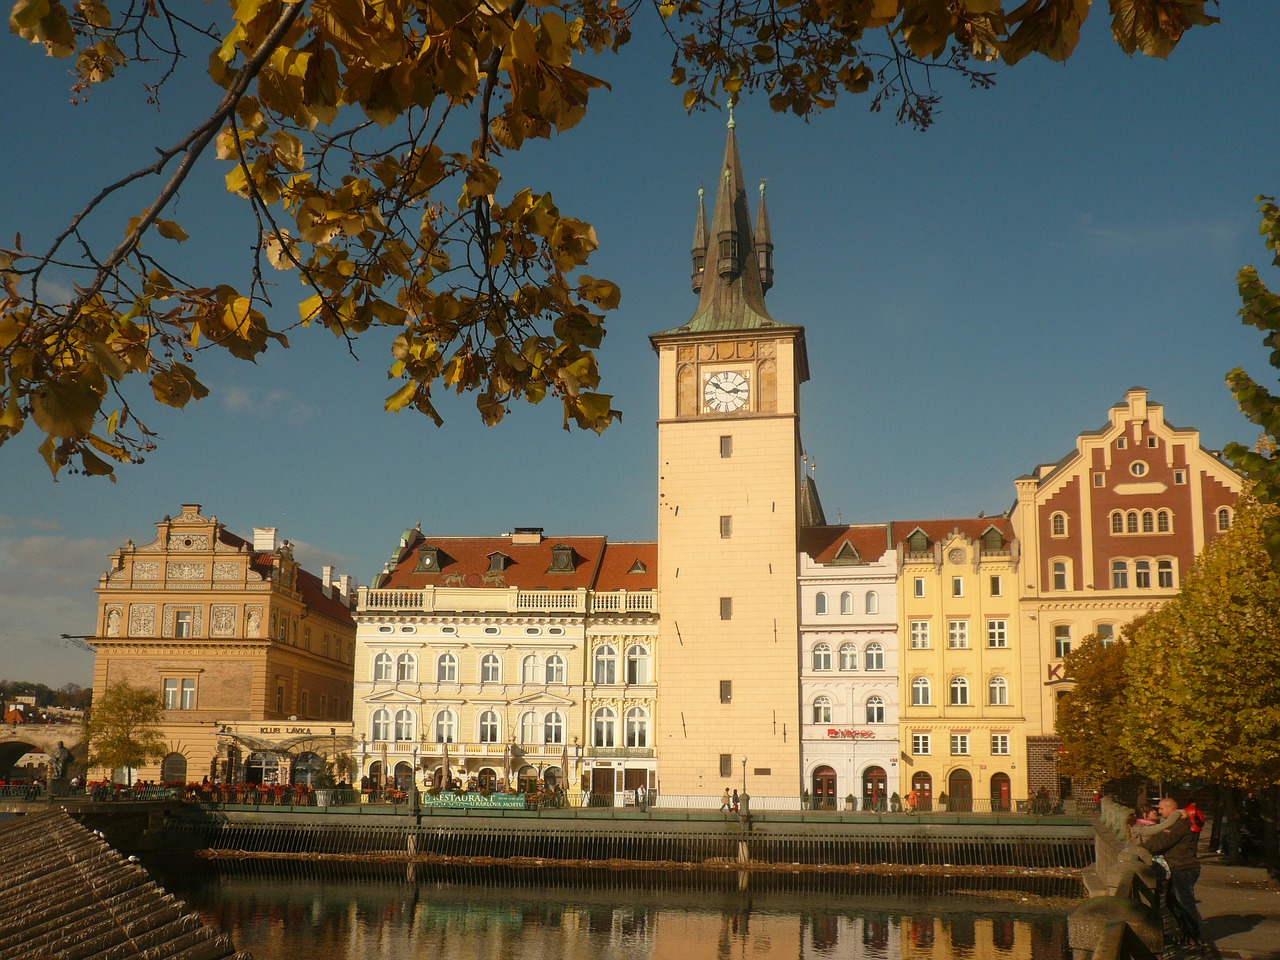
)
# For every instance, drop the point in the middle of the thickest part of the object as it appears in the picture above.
(974, 297)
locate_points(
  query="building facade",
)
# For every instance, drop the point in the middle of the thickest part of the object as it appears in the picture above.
(512, 660)
(250, 653)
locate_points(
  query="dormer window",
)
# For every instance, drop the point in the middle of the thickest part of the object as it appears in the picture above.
(561, 559)
(918, 542)
(993, 539)
(428, 560)
(498, 562)
(638, 567)
(847, 555)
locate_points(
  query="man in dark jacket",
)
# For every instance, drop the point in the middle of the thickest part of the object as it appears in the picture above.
(1177, 844)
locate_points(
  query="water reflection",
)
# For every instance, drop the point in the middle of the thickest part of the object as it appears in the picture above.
(495, 914)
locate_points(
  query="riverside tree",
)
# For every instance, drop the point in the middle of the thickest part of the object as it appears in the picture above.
(1091, 717)
(123, 728)
(367, 137)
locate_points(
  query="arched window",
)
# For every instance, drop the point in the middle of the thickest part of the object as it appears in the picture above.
(529, 728)
(822, 657)
(998, 692)
(406, 667)
(1131, 521)
(606, 664)
(1164, 573)
(1224, 519)
(1148, 521)
(531, 670)
(1142, 574)
(875, 656)
(1164, 521)
(490, 668)
(382, 667)
(846, 603)
(875, 710)
(489, 730)
(553, 729)
(555, 668)
(920, 693)
(637, 727)
(381, 725)
(848, 656)
(446, 726)
(604, 728)
(1058, 525)
(959, 692)
(637, 664)
(404, 726)
(1117, 522)
(873, 602)
(447, 668)
(820, 604)
(822, 710)
(1060, 575)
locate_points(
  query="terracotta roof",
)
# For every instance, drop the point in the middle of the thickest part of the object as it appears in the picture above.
(69, 894)
(528, 565)
(971, 527)
(621, 567)
(312, 589)
(823, 544)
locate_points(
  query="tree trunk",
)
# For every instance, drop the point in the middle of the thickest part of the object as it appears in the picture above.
(1271, 849)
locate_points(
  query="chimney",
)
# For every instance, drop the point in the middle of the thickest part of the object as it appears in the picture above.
(264, 539)
(344, 587)
(326, 579)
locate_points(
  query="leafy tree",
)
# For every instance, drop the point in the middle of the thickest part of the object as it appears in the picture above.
(367, 137)
(123, 727)
(1203, 671)
(1091, 717)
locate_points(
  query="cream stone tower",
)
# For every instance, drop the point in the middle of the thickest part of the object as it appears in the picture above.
(728, 517)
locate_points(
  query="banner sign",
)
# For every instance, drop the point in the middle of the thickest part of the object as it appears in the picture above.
(447, 798)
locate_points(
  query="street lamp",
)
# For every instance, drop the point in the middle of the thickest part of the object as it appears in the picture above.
(744, 774)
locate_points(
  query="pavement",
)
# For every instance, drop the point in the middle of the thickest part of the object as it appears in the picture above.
(1241, 912)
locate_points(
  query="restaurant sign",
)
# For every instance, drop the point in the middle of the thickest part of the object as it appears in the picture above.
(447, 798)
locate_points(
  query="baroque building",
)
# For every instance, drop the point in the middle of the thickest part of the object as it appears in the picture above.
(250, 653)
(509, 659)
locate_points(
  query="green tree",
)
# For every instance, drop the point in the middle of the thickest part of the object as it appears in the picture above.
(367, 139)
(122, 727)
(1203, 671)
(1091, 717)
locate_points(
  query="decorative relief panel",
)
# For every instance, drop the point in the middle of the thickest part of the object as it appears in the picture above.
(226, 570)
(188, 541)
(142, 620)
(746, 349)
(146, 570)
(197, 619)
(188, 516)
(767, 348)
(185, 570)
(222, 620)
(253, 621)
(115, 612)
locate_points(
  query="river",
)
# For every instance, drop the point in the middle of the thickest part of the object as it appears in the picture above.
(290, 911)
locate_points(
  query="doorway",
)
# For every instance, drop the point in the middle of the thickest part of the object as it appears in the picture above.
(874, 782)
(960, 791)
(824, 789)
(1000, 792)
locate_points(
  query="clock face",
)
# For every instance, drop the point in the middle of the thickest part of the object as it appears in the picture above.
(726, 391)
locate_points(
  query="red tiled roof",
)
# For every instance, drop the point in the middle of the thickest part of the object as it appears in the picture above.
(528, 567)
(619, 562)
(312, 589)
(822, 544)
(971, 527)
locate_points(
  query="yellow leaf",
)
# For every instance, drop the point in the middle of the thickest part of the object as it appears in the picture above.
(65, 407)
(309, 309)
(524, 45)
(497, 252)
(170, 230)
(401, 398)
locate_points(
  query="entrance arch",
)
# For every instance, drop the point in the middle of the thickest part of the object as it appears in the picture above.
(173, 769)
(527, 779)
(960, 791)
(874, 796)
(922, 784)
(487, 778)
(824, 788)
(404, 776)
(1000, 791)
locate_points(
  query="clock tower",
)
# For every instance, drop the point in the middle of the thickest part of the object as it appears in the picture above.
(729, 510)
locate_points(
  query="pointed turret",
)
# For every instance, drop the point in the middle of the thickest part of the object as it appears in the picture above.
(764, 244)
(699, 245)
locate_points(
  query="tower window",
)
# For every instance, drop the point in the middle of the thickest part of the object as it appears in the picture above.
(726, 447)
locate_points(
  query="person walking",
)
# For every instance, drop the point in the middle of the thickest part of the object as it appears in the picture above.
(641, 797)
(726, 805)
(735, 801)
(1177, 844)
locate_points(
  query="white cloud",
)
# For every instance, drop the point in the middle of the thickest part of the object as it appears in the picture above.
(268, 404)
(1156, 238)
(43, 524)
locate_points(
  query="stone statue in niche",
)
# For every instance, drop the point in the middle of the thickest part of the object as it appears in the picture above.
(113, 623)
(253, 623)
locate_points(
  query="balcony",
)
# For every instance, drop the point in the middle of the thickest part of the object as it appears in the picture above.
(511, 600)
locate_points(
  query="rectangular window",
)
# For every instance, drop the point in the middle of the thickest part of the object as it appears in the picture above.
(920, 744)
(306, 638)
(999, 744)
(1106, 634)
(324, 704)
(171, 694)
(957, 586)
(919, 634)
(726, 608)
(919, 586)
(726, 528)
(279, 698)
(302, 703)
(726, 447)
(1122, 443)
(1151, 442)
(1142, 574)
(1119, 575)
(1164, 573)
(1179, 476)
(958, 634)
(1099, 479)
(726, 691)
(188, 694)
(996, 586)
(1061, 640)
(1059, 576)
(182, 623)
(997, 633)
(959, 744)
(726, 764)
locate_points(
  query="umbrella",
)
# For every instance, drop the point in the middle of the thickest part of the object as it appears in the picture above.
(444, 765)
(564, 766)
(506, 766)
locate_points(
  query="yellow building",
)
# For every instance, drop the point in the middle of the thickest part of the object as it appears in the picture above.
(251, 654)
(962, 712)
(728, 517)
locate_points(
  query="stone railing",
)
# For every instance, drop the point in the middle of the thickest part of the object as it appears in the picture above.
(480, 599)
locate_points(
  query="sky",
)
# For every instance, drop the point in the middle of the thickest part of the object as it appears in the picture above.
(973, 296)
